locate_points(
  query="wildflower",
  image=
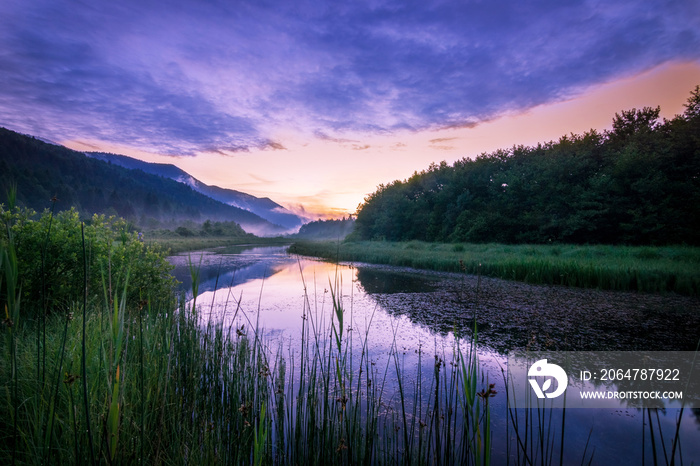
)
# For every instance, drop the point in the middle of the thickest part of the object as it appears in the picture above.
(490, 393)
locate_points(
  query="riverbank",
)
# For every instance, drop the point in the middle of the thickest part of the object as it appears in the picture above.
(176, 245)
(623, 268)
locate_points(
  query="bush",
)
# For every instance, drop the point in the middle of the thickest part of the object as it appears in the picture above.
(184, 231)
(51, 263)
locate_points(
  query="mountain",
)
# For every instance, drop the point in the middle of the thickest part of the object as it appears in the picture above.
(41, 171)
(262, 207)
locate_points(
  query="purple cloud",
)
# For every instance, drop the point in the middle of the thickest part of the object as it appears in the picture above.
(218, 75)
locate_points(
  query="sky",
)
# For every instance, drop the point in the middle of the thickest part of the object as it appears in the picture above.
(315, 103)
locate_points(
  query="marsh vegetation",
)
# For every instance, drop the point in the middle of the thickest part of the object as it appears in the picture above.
(110, 366)
(656, 269)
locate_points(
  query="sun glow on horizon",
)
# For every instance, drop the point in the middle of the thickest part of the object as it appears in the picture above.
(329, 178)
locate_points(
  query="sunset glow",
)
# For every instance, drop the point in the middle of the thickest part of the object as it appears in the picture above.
(330, 178)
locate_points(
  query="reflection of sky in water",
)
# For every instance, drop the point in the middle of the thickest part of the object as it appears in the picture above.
(228, 266)
(280, 293)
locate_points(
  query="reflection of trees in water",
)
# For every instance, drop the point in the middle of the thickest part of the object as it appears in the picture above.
(375, 280)
(696, 412)
(416, 296)
(513, 315)
(212, 275)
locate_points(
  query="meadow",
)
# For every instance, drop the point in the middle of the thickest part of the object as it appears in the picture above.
(174, 244)
(655, 269)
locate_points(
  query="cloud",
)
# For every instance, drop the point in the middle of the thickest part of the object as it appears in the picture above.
(272, 145)
(73, 94)
(221, 76)
(228, 151)
(437, 143)
(323, 136)
(438, 140)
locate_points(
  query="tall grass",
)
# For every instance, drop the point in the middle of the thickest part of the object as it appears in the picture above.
(162, 385)
(624, 268)
(136, 384)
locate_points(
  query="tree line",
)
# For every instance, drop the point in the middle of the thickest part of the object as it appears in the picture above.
(637, 183)
(326, 229)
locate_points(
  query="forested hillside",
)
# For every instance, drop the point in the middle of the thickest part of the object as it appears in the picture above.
(262, 207)
(638, 183)
(327, 229)
(42, 171)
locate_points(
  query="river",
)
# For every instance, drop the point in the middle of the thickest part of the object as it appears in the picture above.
(416, 315)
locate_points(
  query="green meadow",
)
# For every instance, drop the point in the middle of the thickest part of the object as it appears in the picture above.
(652, 269)
(176, 245)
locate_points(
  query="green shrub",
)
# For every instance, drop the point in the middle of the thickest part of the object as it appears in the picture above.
(51, 260)
(184, 231)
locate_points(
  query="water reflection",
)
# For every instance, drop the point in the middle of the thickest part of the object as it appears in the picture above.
(375, 280)
(226, 267)
(415, 316)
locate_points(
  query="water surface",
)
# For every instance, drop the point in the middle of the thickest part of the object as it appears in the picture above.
(418, 315)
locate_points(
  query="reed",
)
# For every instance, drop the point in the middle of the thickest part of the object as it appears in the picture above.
(171, 384)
